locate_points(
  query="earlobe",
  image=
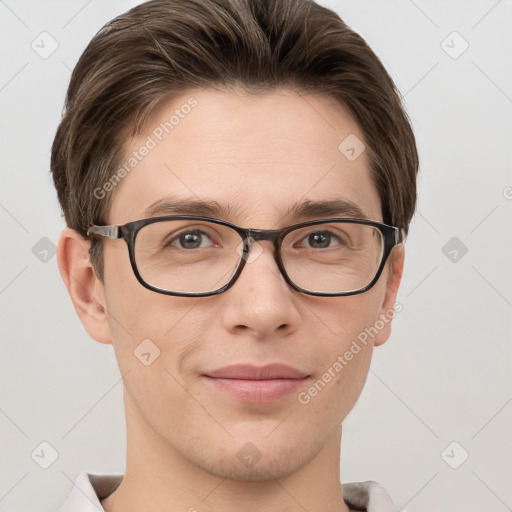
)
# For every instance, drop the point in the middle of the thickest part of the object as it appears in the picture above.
(82, 284)
(388, 308)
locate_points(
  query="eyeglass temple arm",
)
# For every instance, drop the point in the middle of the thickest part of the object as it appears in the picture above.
(105, 231)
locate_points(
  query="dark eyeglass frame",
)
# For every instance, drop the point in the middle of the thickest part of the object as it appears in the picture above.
(391, 236)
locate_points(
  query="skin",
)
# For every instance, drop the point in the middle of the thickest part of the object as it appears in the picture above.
(262, 153)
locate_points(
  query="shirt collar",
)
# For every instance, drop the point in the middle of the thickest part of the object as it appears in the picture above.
(88, 491)
(369, 496)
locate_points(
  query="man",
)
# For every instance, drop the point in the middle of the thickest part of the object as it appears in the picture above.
(237, 178)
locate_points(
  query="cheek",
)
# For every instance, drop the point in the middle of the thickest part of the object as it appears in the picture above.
(351, 369)
(344, 346)
(342, 319)
(340, 378)
(153, 335)
(142, 321)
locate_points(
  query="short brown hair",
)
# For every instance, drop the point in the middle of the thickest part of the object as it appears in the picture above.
(163, 47)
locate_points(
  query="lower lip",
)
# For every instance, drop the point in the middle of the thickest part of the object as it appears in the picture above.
(257, 391)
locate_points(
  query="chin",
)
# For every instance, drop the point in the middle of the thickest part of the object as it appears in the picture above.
(244, 461)
(261, 471)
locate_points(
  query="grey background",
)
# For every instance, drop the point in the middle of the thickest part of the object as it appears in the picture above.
(443, 377)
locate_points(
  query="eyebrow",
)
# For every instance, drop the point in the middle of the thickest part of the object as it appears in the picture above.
(328, 208)
(338, 207)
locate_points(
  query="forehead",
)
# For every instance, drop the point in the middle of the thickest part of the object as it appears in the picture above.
(256, 156)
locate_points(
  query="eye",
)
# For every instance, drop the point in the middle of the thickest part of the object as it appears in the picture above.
(323, 239)
(191, 239)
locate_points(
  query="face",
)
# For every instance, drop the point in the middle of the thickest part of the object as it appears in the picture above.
(257, 156)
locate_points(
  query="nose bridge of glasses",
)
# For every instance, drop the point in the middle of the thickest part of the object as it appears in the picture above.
(264, 234)
(261, 235)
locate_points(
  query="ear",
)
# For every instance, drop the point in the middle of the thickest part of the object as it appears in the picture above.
(85, 289)
(393, 272)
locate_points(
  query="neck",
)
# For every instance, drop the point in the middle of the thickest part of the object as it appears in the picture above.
(160, 477)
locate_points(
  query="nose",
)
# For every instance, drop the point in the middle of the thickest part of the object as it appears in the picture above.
(261, 301)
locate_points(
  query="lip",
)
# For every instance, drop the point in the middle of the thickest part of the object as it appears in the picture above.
(251, 372)
(257, 384)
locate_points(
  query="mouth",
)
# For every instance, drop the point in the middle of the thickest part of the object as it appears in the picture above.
(252, 384)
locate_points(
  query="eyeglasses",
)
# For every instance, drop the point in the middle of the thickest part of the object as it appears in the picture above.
(191, 256)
